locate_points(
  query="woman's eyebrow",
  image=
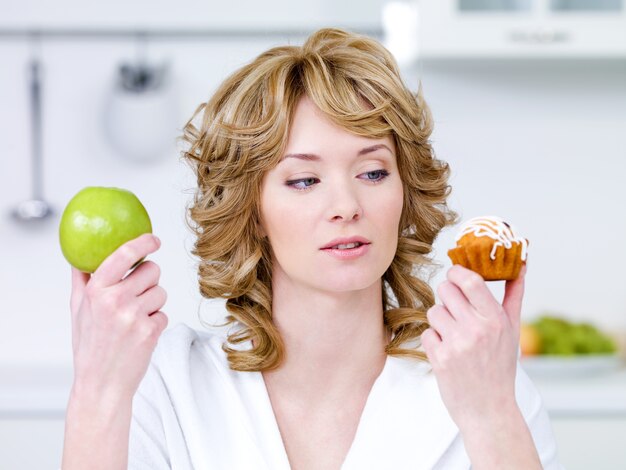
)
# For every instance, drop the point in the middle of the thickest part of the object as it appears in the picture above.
(313, 157)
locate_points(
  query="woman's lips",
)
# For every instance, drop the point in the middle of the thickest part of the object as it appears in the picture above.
(348, 253)
(346, 240)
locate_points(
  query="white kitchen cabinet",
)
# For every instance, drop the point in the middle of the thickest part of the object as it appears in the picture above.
(588, 416)
(206, 15)
(593, 442)
(522, 28)
(583, 443)
(31, 443)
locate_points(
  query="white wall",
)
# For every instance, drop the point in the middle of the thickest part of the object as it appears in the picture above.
(539, 144)
(34, 276)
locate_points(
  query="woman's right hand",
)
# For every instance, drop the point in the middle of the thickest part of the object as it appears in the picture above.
(116, 321)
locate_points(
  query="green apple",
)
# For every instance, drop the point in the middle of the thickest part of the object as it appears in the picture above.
(97, 221)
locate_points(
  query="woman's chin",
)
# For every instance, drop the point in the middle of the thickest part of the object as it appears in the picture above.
(350, 285)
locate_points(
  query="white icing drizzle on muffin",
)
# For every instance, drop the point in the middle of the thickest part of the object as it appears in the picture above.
(495, 228)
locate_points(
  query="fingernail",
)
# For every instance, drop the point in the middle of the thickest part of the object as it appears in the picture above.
(157, 239)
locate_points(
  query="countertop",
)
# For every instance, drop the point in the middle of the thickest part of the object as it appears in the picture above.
(590, 394)
(34, 391)
(42, 392)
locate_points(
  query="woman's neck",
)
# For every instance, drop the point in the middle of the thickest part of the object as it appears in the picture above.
(334, 342)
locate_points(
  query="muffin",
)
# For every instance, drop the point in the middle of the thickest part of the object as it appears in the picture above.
(491, 247)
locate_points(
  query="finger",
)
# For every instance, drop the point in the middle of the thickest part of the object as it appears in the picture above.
(430, 341)
(118, 263)
(475, 290)
(144, 276)
(79, 282)
(441, 321)
(152, 300)
(160, 319)
(513, 297)
(454, 300)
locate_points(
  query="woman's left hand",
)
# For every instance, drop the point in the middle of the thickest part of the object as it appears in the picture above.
(472, 344)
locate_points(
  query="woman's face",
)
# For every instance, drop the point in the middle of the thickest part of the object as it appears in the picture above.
(347, 189)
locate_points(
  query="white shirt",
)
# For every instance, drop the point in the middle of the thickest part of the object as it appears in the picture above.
(192, 411)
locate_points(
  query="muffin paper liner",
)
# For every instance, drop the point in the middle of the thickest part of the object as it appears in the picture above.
(505, 267)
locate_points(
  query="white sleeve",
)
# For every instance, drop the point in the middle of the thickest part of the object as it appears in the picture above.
(536, 416)
(147, 444)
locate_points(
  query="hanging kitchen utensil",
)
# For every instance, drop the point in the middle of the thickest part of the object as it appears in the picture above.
(36, 208)
(140, 115)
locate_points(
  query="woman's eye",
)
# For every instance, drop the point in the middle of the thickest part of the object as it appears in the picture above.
(301, 185)
(376, 175)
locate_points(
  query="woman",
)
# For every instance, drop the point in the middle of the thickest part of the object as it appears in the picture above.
(318, 201)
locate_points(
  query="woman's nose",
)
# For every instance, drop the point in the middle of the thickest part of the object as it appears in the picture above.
(345, 205)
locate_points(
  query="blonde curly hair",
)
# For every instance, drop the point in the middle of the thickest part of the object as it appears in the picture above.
(355, 81)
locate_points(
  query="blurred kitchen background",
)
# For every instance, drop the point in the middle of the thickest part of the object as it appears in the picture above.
(529, 103)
